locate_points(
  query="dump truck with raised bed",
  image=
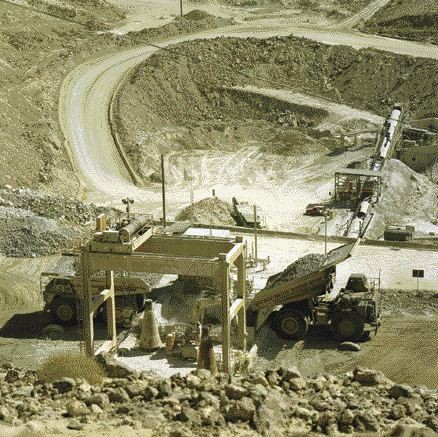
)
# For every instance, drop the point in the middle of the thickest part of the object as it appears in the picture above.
(308, 297)
(62, 294)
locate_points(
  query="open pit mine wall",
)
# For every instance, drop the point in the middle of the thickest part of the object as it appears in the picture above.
(386, 146)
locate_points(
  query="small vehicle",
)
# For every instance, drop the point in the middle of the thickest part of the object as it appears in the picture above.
(314, 209)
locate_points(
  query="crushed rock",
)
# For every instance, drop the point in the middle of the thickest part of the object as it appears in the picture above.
(300, 267)
(175, 406)
(33, 223)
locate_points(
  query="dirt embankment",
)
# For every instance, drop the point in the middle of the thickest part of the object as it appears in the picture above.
(333, 9)
(36, 53)
(408, 198)
(275, 402)
(95, 14)
(152, 107)
(407, 19)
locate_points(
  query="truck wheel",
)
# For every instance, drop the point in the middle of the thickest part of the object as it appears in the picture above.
(348, 327)
(291, 325)
(63, 311)
(126, 307)
(140, 300)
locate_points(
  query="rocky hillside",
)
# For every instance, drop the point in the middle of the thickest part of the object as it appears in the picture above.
(272, 403)
(152, 106)
(36, 52)
(33, 224)
(408, 19)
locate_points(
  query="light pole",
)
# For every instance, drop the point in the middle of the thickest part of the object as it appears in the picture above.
(163, 191)
(128, 202)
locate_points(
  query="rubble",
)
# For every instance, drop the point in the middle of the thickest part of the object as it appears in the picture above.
(363, 400)
(33, 223)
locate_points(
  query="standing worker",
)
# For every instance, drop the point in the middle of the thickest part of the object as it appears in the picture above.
(206, 356)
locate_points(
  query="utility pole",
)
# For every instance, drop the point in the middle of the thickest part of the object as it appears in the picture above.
(325, 235)
(181, 7)
(192, 197)
(163, 190)
(255, 233)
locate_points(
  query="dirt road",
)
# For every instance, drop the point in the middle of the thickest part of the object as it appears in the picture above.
(337, 113)
(87, 91)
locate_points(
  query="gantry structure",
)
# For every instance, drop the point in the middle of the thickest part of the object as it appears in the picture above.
(208, 257)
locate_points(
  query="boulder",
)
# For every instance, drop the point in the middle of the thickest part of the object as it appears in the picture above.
(235, 392)
(369, 377)
(241, 410)
(399, 390)
(100, 399)
(64, 385)
(114, 368)
(77, 409)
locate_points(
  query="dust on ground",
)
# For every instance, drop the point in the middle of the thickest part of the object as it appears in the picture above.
(405, 341)
(407, 19)
(408, 198)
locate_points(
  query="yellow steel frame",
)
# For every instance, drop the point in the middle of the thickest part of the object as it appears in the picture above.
(182, 255)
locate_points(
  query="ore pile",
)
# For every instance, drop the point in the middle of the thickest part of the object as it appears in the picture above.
(208, 211)
(34, 223)
(306, 264)
(272, 403)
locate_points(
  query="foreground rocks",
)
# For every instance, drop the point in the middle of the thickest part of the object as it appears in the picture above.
(276, 402)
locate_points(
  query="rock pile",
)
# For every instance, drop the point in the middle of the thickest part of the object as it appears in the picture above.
(208, 211)
(276, 402)
(33, 223)
(300, 267)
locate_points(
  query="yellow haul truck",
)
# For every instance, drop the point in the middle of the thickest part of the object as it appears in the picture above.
(310, 299)
(62, 295)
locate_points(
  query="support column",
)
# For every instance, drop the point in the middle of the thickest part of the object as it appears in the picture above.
(241, 293)
(224, 281)
(111, 307)
(87, 304)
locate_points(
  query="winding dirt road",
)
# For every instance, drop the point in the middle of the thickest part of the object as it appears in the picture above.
(87, 92)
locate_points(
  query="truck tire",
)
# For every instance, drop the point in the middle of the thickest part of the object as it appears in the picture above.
(63, 311)
(291, 324)
(126, 306)
(140, 300)
(348, 326)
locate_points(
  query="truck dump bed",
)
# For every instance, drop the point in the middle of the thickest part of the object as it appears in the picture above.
(303, 287)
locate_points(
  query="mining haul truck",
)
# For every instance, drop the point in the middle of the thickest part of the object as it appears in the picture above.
(309, 299)
(62, 297)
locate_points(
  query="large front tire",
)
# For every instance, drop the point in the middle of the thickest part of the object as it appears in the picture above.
(291, 324)
(349, 327)
(63, 311)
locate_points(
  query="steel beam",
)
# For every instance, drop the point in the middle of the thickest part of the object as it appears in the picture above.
(154, 263)
(241, 294)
